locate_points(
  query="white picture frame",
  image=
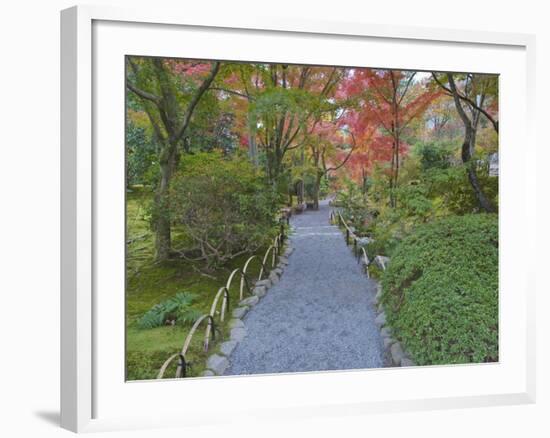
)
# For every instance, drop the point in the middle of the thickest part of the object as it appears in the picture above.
(85, 174)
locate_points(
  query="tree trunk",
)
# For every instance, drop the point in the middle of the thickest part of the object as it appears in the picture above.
(162, 228)
(468, 146)
(467, 149)
(394, 165)
(316, 189)
(252, 147)
(300, 191)
(396, 173)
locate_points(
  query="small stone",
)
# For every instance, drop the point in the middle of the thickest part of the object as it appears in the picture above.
(385, 332)
(397, 353)
(278, 271)
(388, 342)
(266, 283)
(236, 323)
(283, 260)
(380, 319)
(238, 334)
(218, 364)
(250, 301)
(259, 291)
(289, 250)
(239, 312)
(227, 347)
(207, 373)
(406, 362)
(382, 262)
(274, 277)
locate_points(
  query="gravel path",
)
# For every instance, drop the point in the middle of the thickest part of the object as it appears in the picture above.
(319, 316)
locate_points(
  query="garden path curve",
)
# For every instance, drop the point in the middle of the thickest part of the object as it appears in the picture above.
(319, 316)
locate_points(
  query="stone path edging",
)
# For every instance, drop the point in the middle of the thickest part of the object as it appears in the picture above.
(320, 314)
(395, 352)
(218, 362)
(396, 355)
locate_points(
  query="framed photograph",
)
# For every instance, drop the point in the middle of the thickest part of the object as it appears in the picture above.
(280, 217)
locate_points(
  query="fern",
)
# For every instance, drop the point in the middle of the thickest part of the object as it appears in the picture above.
(178, 308)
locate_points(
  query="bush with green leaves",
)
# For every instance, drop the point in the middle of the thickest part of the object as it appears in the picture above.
(354, 208)
(142, 163)
(440, 292)
(434, 154)
(224, 205)
(454, 192)
(391, 225)
(432, 194)
(177, 308)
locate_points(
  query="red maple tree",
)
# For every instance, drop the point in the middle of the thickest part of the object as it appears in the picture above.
(388, 100)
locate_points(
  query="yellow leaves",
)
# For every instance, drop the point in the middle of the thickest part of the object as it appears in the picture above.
(487, 139)
(140, 119)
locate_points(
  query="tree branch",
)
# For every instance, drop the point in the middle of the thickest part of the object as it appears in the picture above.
(465, 119)
(406, 88)
(143, 94)
(469, 101)
(354, 145)
(236, 93)
(196, 98)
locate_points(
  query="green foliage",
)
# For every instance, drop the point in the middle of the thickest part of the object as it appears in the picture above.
(423, 196)
(454, 192)
(224, 205)
(415, 206)
(414, 201)
(177, 308)
(212, 127)
(387, 230)
(150, 283)
(324, 188)
(434, 155)
(353, 203)
(142, 164)
(440, 291)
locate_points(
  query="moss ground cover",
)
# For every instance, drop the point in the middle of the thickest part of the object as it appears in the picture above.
(149, 283)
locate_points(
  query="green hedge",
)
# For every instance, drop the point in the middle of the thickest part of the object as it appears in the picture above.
(440, 291)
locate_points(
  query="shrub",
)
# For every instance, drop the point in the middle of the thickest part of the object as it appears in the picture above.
(353, 205)
(391, 225)
(141, 167)
(387, 230)
(224, 206)
(434, 154)
(452, 187)
(440, 291)
(178, 308)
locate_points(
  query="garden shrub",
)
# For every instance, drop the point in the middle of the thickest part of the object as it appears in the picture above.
(353, 205)
(434, 154)
(391, 225)
(440, 291)
(140, 157)
(452, 187)
(224, 205)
